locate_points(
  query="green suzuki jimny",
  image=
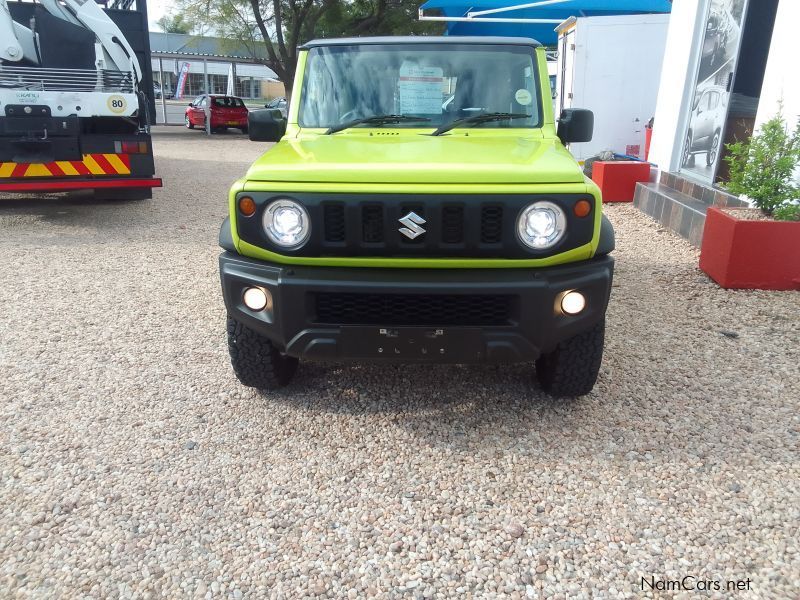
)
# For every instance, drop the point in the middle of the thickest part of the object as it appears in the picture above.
(419, 206)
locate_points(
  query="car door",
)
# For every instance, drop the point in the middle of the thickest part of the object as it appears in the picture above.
(704, 118)
(195, 114)
(201, 110)
(714, 117)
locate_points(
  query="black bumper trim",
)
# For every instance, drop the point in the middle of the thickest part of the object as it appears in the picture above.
(536, 328)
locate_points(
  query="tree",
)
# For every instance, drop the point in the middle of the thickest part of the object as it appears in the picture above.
(272, 30)
(375, 17)
(176, 23)
(763, 168)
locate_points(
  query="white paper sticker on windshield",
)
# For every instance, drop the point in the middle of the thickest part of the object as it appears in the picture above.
(420, 89)
(523, 97)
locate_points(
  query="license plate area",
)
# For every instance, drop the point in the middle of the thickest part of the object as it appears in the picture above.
(414, 343)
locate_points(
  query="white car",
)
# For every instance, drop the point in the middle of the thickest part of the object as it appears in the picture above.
(705, 125)
(278, 103)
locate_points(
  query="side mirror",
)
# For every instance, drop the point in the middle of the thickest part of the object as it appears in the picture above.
(265, 125)
(575, 125)
(191, 104)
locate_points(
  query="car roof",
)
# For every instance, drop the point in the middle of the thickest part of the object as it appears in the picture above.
(424, 39)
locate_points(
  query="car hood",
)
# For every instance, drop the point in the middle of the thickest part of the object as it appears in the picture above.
(391, 157)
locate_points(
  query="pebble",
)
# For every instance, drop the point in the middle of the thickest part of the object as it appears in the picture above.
(443, 481)
(515, 530)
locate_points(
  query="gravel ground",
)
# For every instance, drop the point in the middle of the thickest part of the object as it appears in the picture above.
(132, 464)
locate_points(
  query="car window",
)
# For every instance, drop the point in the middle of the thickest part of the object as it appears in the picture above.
(204, 102)
(228, 102)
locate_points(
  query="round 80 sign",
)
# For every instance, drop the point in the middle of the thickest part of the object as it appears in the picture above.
(117, 104)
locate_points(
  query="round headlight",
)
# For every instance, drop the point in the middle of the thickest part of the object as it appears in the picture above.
(541, 225)
(286, 223)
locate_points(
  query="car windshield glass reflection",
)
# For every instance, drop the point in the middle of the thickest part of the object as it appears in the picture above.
(440, 82)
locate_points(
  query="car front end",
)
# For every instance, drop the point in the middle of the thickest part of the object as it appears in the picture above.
(396, 243)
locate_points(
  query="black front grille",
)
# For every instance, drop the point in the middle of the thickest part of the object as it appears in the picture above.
(491, 224)
(372, 223)
(334, 222)
(412, 309)
(455, 226)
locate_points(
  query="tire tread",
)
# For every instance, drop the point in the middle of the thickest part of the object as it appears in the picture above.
(571, 369)
(256, 361)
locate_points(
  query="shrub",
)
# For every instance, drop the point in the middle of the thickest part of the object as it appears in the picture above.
(763, 169)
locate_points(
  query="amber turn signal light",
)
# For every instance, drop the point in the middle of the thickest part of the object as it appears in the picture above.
(247, 206)
(582, 208)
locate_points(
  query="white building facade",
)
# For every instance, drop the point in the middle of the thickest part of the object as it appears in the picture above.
(729, 66)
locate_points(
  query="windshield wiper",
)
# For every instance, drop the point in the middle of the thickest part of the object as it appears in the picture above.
(484, 118)
(375, 120)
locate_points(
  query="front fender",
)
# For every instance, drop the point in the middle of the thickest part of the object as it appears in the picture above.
(607, 241)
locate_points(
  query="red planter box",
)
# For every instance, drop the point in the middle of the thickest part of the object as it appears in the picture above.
(617, 179)
(762, 255)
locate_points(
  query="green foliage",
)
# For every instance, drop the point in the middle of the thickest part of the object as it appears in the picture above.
(271, 30)
(787, 212)
(763, 169)
(374, 17)
(176, 23)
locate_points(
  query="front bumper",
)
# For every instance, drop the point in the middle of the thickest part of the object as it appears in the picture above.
(533, 324)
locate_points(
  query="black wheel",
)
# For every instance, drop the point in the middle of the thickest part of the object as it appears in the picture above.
(571, 369)
(188, 122)
(256, 361)
(713, 150)
(687, 150)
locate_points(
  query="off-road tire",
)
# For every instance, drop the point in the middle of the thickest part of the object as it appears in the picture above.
(571, 369)
(256, 361)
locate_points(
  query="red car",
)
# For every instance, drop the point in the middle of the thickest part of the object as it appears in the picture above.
(226, 111)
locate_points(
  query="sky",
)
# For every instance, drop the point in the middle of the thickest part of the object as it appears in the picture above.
(157, 9)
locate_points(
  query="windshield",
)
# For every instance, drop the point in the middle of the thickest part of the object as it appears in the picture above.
(441, 82)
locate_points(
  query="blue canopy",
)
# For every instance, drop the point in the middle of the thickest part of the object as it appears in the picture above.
(544, 32)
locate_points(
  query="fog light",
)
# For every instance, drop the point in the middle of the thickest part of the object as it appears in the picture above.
(573, 302)
(256, 299)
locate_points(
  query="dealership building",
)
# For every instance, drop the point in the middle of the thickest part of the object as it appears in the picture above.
(729, 66)
(212, 62)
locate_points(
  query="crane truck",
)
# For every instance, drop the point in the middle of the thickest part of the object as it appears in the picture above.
(75, 101)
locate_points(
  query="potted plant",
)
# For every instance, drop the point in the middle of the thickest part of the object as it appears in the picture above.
(759, 247)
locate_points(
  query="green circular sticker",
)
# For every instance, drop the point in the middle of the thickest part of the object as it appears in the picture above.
(523, 97)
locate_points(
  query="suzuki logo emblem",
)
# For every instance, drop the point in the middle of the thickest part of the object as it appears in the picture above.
(412, 222)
